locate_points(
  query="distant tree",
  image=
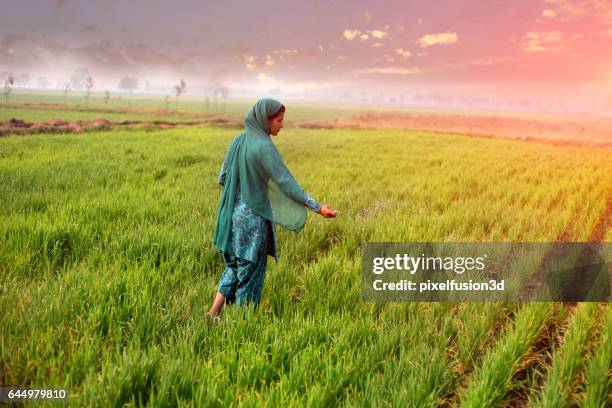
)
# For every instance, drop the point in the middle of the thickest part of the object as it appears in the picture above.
(67, 88)
(43, 82)
(218, 89)
(8, 87)
(216, 85)
(129, 84)
(22, 80)
(106, 98)
(179, 90)
(212, 88)
(89, 84)
(78, 78)
(224, 92)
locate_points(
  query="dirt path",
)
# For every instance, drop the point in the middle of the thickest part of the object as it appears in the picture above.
(21, 127)
(79, 108)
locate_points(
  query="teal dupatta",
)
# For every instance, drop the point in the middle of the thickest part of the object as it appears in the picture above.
(266, 184)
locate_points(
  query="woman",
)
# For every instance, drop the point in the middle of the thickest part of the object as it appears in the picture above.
(258, 193)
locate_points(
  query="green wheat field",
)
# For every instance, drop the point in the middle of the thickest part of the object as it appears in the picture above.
(107, 268)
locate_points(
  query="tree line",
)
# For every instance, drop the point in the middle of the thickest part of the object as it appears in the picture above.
(81, 80)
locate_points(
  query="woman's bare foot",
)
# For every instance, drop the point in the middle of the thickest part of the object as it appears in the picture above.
(215, 310)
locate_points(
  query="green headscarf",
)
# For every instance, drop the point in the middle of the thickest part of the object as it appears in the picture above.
(266, 184)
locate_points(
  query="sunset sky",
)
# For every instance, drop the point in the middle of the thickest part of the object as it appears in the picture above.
(529, 47)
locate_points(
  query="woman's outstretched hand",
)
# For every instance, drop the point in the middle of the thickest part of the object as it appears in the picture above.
(327, 212)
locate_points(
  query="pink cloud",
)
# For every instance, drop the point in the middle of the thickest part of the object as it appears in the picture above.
(577, 9)
(437, 39)
(542, 41)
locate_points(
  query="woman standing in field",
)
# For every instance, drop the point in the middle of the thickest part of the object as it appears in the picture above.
(258, 193)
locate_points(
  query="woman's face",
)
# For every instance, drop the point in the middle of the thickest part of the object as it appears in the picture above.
(276, 124)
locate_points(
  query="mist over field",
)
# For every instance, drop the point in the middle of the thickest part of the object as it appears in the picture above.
(542, 56)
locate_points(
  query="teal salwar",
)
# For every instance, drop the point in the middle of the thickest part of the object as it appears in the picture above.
(242, 280)
(245, 264)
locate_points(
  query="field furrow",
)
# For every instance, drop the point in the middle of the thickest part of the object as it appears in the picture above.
(566, 359)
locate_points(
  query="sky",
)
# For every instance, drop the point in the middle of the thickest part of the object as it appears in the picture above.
(555, 49)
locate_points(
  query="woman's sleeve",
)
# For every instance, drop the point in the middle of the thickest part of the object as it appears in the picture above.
(312, 204)
(275, 167)
(223, 172)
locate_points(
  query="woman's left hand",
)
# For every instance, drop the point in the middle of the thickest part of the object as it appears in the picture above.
(327, 212)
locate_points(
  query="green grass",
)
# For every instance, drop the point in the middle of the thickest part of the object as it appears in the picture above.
(74, 107)
(107, 268)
